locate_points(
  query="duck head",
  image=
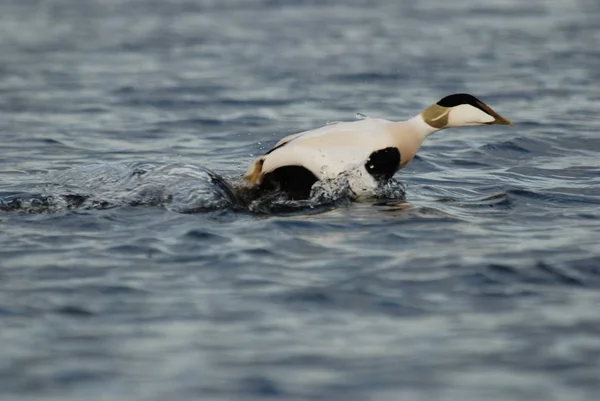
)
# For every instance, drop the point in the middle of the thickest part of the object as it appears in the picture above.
(461, 110)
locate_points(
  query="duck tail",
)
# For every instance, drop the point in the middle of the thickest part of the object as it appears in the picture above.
(254, 171)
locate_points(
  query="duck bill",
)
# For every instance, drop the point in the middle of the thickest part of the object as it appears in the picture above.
(498, 119)
(501, 120)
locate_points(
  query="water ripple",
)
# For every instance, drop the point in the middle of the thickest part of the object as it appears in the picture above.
(136, 265)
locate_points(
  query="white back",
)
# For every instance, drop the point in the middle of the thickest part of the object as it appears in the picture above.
(332, 149)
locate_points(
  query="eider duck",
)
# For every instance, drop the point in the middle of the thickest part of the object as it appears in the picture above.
(375, 146)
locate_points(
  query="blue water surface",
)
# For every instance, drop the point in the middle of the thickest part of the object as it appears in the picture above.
(131, 270)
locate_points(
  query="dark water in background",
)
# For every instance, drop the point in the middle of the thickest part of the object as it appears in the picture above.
(487, 287)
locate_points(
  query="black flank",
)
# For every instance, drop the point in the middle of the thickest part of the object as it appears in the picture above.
(383, 164)
(295, 181)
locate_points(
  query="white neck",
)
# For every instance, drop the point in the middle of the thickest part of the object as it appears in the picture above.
(409, 135)
(422, 127)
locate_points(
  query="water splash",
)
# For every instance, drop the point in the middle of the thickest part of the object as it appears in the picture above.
(179, 187)
(182, 188)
